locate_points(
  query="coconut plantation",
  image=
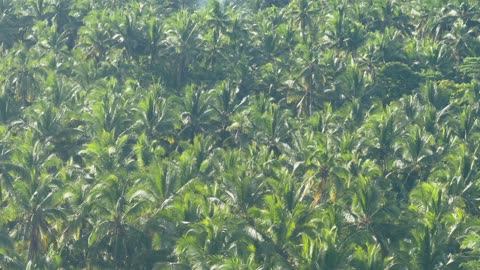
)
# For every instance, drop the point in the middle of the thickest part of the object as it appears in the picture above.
(229, 134)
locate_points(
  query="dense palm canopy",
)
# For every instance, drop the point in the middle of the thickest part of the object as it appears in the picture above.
(258, 134)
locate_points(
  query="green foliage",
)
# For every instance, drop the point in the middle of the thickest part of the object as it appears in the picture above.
(258, 134)
(471, 67)
(395, 80)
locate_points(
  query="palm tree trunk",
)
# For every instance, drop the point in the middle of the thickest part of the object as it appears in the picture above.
(1, 190)
(34, 244)
(181, 72)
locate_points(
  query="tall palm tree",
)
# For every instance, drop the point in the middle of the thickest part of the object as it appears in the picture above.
(115, 239)
(331, 246)
(154, 39)
(374, 215)
(52, 46)
(353, 84)
(156, 116)
(24, 75)
(435, 55)
(94, 37)
(390, 13)
(417, 158)
(272, 125)
(197, 115)
(215, 243)
(461, 40)
(301, 12)
(110, 111)
(436, 230)
(129, 35)
(74, 245)
(343, 33)
(386, 130)
(387, 46)
(226, 104)
(218, 20)
(181, 43)
(308, 79)
(37, 201)
(459, 174)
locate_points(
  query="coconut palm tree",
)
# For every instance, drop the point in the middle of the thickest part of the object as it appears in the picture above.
(370, 257)
(331, 247)
(94, 37)
(417, 158)
(129, 35)
(36, 201)
(154, 39)
(226, 104)
(342, 33)
(353, 84)
(301, 12)
(218, 22)
(307, 81)
(24, 75)
(374, 215)
(197, 115)
(181, 44)
(432, 206)
(115, 239)
(386, 130)
(156, 117)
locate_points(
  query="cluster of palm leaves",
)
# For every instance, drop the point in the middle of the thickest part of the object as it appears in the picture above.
(259, 134)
